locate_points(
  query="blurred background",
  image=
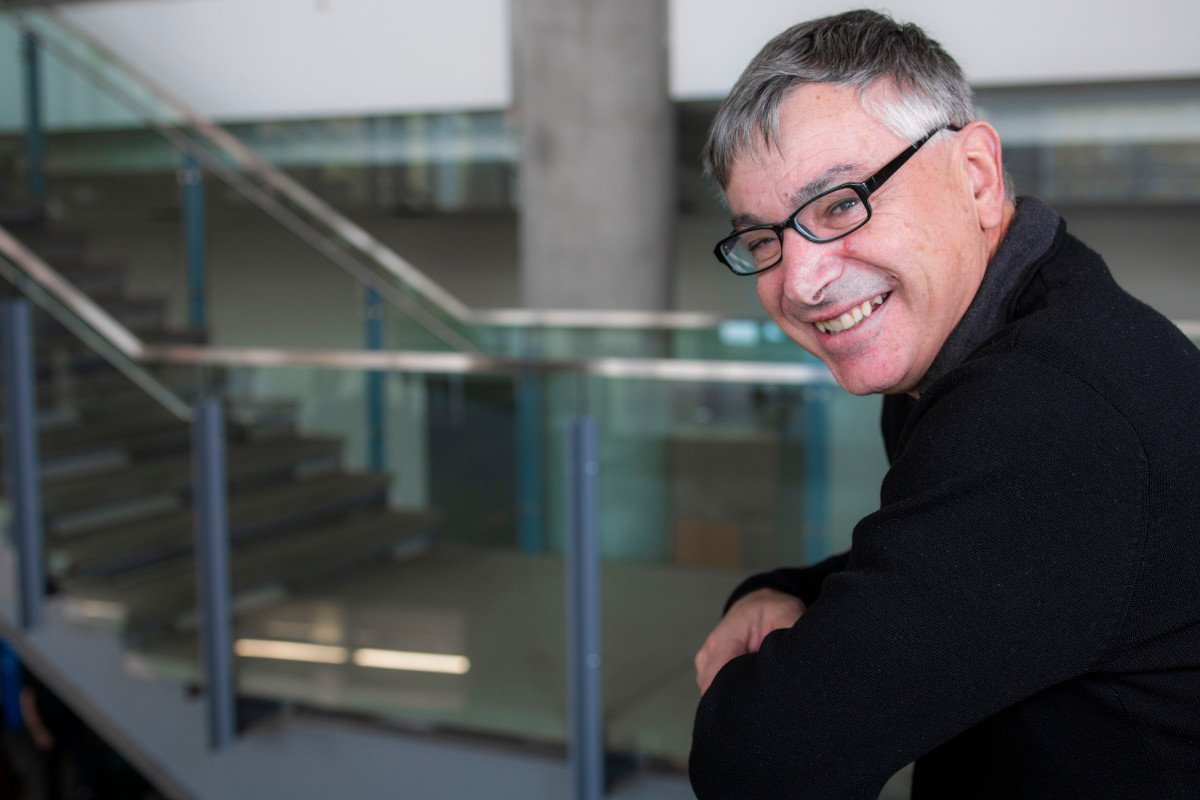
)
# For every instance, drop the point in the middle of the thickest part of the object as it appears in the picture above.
(499, 433)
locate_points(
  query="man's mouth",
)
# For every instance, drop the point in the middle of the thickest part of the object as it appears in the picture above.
(852, 317)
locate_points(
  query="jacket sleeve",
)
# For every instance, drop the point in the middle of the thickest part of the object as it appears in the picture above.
(998, 565)
(803, 582)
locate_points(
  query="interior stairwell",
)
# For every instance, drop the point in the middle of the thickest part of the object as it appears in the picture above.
(116, 473)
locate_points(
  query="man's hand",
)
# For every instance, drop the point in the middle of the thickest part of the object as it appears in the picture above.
(746, 624)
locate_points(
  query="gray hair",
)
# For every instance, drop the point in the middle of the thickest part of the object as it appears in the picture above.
(924, 87)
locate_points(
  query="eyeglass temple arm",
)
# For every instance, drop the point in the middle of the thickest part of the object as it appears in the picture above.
(875, 181)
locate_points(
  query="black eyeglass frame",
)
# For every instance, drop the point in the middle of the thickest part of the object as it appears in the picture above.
(863, 189)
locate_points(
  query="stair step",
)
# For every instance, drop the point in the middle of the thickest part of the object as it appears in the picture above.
(22, 217)
(87, 501)
(266, 511)
(90, 392)
(164, 335)
(137, 436)
(53, 346)
(72, 450)
(135, 313)
(163, 595)
(57, 248)
(96, 279)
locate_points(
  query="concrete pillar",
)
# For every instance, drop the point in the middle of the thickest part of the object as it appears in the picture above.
(597, 153)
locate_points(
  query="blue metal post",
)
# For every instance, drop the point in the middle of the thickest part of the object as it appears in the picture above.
(373, 312)
(210, 501)
(34, 145)
(10, 675)
(530, 531)
(192, 178)
(20, 429)
(816, 474)
(586, 710)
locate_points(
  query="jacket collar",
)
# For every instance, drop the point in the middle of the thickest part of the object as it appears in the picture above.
(1030, 234)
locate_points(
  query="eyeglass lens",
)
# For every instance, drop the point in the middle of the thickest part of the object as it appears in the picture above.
(826, 216)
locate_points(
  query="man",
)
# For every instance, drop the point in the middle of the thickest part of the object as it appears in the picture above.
(1021, 616)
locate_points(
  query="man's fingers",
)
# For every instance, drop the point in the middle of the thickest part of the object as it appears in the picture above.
(743, 629)
(719, 649)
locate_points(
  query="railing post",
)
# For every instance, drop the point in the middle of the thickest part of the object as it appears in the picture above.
(373, 313)
(34, 145)
(530, 535)
(10, 677)
(586, 711)
(816, 473)
(210, 503)
(20, 440)
(191, 176)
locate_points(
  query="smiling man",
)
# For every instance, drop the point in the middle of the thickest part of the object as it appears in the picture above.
(1021, 616)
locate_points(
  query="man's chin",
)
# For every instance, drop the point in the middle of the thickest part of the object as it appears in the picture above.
(864, 383)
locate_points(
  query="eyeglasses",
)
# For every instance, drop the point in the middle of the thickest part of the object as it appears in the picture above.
(829, 216)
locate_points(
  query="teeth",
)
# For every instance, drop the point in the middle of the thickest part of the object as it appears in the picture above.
(851, 318)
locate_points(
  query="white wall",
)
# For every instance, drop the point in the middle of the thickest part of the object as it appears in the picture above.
(243, 59)
(1015, 42)
(256, 59)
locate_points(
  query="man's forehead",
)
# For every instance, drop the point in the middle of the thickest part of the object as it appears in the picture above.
(790, 178)
(795, 192)
(822, 138)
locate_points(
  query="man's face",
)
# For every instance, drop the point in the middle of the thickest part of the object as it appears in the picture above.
(915, 266)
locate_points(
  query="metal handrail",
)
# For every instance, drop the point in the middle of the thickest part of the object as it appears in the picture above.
(413, 361)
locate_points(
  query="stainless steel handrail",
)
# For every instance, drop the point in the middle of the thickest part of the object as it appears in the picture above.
(665, 369)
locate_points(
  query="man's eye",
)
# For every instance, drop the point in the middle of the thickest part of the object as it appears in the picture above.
(844, 205)
(758, 242)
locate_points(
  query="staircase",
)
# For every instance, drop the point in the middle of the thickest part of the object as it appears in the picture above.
(116, 474)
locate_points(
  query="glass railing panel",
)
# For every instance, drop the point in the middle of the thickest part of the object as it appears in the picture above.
(701, 485)
(120, 235)
(398, 539)
(66, 333)
(84, 61)
(115, 471)
(385, 575)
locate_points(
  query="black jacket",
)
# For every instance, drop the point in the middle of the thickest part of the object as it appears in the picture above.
(1021, 616)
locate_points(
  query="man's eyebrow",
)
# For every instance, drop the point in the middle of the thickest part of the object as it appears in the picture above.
(746, 221)
(830, 177)
(827, 179)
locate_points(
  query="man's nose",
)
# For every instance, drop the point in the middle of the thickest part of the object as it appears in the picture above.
(808, 268)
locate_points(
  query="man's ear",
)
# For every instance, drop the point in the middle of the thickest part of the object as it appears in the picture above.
(984, 164)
